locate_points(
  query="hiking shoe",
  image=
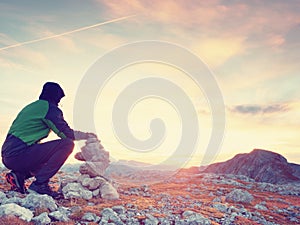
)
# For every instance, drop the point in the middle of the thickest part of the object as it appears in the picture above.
(44, 189)
(16, 181)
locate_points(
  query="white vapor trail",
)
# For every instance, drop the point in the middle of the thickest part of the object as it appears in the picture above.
(66, 33)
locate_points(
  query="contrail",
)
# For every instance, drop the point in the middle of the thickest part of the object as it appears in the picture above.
(66, 33)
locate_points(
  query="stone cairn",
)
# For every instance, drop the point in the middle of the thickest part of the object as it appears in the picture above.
(91, 182)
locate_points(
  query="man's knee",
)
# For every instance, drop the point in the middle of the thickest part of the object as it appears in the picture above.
(68, 144)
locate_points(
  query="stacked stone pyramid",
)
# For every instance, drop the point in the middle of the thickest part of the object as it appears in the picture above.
(91, 182)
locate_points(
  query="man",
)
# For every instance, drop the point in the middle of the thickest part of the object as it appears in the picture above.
(25, 156)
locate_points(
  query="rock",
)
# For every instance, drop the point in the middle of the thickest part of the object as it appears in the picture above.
(294, 219)
(244, 213)
(65, 210)
(2, 197)
(109, 215)
(34, 201)
(96, 192)
(217, 199)
(109, 192)
(42, 219)
(16, 200)
(119, 209)
(260, 207)
(94, 152)
(193, 217)
(91, 183)
(75, 190)
(91, 140)
(59, 216)
(229, 220)
(93, 169)
(145, 188)
(220, 207)
(16, 210)
(82, 177)
(79, 156)
(239, 195)
(67, 179)
(150, 220)
(90, 217)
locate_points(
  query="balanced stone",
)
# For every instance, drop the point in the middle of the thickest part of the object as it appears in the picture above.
(96, 161)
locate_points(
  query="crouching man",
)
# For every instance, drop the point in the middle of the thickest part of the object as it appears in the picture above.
(22, 151)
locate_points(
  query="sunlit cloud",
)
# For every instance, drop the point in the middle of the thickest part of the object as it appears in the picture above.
(277, 115)
(215, 51)
(260, 109)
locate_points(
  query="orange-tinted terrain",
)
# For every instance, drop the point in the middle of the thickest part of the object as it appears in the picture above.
(172, 199)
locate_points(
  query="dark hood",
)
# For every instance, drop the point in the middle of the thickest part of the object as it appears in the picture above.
(52, 93)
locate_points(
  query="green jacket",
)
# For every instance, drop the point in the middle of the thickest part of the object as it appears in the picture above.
(36, 120)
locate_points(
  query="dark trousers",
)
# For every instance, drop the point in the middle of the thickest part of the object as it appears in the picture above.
(41, 160)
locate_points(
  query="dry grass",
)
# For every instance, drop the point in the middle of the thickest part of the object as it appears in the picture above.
(13, 220)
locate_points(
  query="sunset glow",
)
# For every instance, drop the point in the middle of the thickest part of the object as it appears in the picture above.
(251, 47)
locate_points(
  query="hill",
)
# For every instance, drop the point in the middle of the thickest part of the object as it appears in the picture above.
(260, 165)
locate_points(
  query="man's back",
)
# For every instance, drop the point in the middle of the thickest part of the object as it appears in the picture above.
(29, 125)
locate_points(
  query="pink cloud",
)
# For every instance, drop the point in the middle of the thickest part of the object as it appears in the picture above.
(213, 17)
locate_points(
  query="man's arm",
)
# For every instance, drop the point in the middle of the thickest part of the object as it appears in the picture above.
(55, 121)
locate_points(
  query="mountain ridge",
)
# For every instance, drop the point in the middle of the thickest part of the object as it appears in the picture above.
(260, 165)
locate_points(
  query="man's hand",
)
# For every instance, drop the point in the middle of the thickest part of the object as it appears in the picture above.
(91, 135)
(79, 135)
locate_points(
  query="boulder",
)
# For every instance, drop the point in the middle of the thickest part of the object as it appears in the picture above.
(107, 214)
(33, 201)
(90, 217)
(42, 219)
(59, 216)
(16, 210)
(150, 220)
(119, 209)
(2, 197)
(93, 183)
(75, 190)
(16, 200)
(109, 192)
(94, 152)
(93, 169)
(240, 196)
(195, 218)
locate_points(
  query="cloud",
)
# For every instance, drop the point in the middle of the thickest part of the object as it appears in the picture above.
(187, 14)
(215, 51)
(260, 109)
(20, 56)
(235, 17)
(218, 29)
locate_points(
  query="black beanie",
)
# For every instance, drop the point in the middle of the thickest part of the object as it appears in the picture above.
(52, 93)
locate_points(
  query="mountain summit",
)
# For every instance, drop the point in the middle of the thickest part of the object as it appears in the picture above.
(260, 165)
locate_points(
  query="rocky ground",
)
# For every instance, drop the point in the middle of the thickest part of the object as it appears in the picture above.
(184, 198)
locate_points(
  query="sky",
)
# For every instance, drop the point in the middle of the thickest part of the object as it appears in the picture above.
(251, 48)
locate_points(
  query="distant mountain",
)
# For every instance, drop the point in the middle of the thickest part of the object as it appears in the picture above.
(260, 165)
(137, 171)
